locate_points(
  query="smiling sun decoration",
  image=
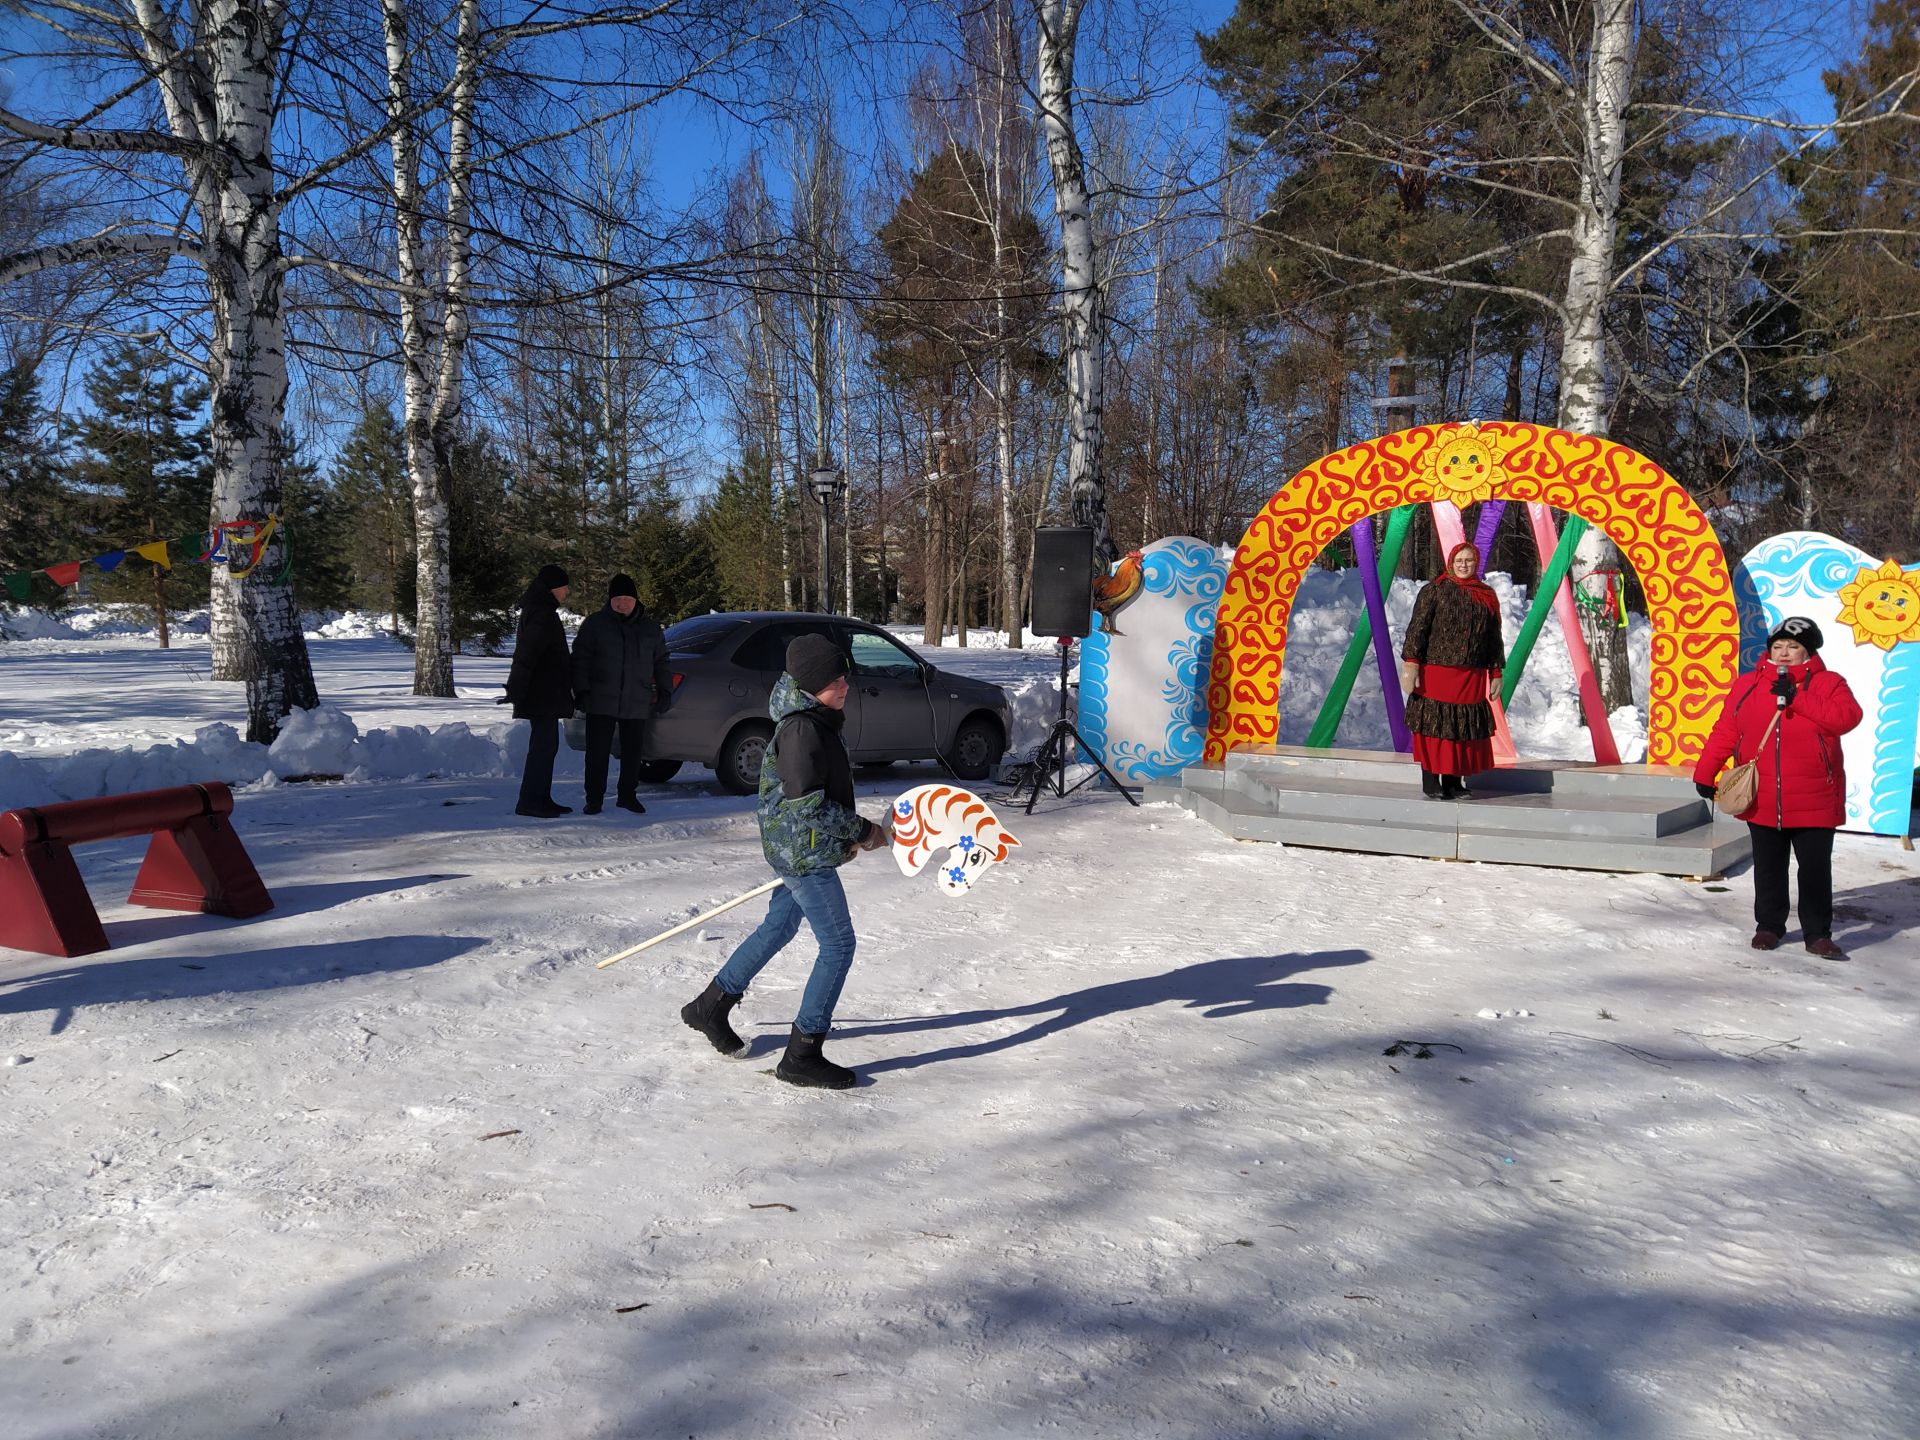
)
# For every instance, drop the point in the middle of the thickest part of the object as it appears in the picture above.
(1882, 606)
(1464, 469)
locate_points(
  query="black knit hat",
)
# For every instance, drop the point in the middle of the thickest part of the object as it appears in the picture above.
(551, 577)
(1800, 628)
(622, 585)
(815, 662)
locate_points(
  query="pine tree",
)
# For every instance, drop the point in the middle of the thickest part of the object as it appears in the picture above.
(145, 473)
(37, 521)
(1846, 374)
(370, 477)
(671, 562)
(487, 559)
(316, 521)
(564, 504)
(742, 530)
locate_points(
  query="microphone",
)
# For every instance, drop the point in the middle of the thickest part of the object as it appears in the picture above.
(1779, 693)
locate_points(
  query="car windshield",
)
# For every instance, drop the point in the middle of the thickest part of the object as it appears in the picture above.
(701, 633)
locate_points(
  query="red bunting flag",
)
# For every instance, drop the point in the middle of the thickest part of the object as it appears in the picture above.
(64, 575)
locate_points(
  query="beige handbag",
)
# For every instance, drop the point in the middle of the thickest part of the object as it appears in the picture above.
(1740, 786)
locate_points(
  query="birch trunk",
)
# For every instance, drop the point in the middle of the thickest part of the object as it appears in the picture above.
(432, 503)
(1010, 570)
(222, 94)
(1590, 274)
(934, 582)
(1082, 322)
(433, 641)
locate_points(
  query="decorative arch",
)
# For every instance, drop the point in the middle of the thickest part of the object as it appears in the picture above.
(1656, 524)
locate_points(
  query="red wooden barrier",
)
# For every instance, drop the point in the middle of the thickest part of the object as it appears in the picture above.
(194, 862)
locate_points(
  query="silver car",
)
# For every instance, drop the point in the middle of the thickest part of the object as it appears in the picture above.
(899, 707)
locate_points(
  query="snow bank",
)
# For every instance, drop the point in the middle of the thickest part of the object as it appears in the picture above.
(323, 741)
(977, 639)
(97, 622)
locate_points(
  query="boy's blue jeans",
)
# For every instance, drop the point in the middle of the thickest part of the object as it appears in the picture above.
(822, 902)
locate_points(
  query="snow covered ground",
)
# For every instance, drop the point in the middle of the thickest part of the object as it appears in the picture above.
(1131, 1158)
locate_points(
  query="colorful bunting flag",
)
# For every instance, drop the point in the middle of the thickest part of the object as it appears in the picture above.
(238, 544)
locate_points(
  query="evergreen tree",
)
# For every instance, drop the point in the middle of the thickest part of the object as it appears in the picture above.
(670, 560)
(486, 557)
(145, 475)
(566, 508)
(742, 531)
(316, 521)
(37, 521)
(1844, 382)
(370, 478)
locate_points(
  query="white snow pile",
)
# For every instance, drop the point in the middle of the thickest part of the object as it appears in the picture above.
(319, 742)
(216, 752)
(346, 625)
(977, 639)
(97, 622)
(1544, 716)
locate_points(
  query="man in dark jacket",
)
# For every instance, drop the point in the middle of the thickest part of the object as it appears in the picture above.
(808, 829)
(539, 687)
(620, 681)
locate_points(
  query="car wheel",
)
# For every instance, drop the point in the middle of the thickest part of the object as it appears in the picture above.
(976, 747)
(658, 772)
(738, 767)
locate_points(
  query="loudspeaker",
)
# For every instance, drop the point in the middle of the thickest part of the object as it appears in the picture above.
(1063, 581)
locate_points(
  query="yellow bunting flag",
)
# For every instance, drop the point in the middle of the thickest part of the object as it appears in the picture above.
(156, 552)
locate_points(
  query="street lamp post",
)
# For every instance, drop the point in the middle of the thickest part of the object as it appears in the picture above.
(828, 483)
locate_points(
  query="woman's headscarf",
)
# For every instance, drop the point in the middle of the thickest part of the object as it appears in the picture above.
(1481, 592)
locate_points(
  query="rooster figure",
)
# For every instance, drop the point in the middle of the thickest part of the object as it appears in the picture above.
(1111, 592)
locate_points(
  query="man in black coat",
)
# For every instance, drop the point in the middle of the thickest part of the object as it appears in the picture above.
(620, 681)
(539, 687)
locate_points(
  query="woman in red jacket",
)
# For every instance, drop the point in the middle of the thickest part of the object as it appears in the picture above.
(1802, 795)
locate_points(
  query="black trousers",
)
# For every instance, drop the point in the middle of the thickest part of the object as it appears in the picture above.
(633, 740)
(536, 780)
(1812, 847)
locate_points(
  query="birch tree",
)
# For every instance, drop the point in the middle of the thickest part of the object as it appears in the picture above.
(432, 392)
(1083, 326)
(211, 77)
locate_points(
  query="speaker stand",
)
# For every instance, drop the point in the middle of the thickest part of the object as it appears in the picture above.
(1053, 756)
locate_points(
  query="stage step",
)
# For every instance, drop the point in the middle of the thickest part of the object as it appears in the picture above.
(1235, 813)
(1541, 812)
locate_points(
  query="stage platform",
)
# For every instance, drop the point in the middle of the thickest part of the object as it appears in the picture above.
(1535, 812)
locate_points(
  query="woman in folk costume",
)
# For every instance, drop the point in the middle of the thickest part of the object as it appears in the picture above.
(1452, 658)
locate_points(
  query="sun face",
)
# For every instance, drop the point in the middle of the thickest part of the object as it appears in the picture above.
(1464, 470)
(1882, 606)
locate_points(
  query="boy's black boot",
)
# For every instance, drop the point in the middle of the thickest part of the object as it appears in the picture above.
(803, 1064)
(708, 1014)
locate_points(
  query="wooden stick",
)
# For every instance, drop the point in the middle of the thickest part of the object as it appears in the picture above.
(684, 926)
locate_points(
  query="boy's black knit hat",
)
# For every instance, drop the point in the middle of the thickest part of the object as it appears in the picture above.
(815, 662)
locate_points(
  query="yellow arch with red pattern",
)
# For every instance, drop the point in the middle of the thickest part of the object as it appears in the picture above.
(1642, 509)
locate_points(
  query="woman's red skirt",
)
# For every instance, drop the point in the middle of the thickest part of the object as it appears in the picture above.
(1454, 685)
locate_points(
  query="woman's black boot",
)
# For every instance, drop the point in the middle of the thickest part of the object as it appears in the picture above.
(803, 1064)
(708, 1014)
(1453, 787)
(1430, 785)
